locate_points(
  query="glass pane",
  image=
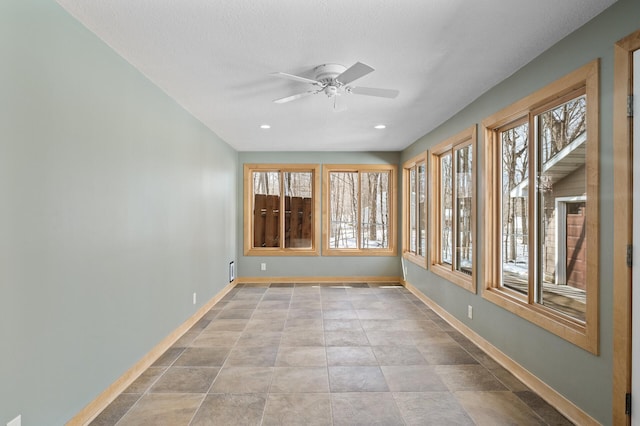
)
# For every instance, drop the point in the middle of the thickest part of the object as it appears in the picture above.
(374, 210)
(446, 212)
(562, 208)
(298, 223)
(343, 210)
(266, 209)
(515, 202)
(464, 194)
(413, 195)
(422, 217)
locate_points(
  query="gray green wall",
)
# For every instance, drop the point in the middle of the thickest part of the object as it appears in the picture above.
(116, 205)
(581, 377)
(317, 266)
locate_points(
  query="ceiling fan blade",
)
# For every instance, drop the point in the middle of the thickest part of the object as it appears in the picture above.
(372, 91)
(295, 77)
(294, 97)
(354, 72)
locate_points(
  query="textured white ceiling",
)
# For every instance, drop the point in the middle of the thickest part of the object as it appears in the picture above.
(214, 58)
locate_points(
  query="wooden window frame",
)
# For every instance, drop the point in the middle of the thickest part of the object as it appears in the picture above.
(467, 137)
(583, 334)
(623, 229)
(413, 163)
(327, 169)
(249, 250)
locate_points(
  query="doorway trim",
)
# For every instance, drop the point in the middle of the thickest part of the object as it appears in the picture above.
(622, 235)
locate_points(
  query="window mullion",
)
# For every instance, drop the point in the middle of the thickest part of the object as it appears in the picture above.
(359, 210)
(283, 213)
(454, 211)
(532, 219)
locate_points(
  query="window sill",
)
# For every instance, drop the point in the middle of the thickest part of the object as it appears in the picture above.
(458, 278)
(421, 261)
(583, 335)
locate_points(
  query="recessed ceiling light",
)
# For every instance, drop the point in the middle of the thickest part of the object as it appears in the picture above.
(265, 126)
(380, 126)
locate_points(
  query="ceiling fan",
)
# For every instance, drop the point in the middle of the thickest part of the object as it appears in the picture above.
(333, 80)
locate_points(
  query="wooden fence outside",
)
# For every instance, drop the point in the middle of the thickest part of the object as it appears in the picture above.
(298, 221)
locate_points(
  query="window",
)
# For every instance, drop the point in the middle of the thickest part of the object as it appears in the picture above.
(414, 209)
(270, 190)
(359, 210)
(541, 251)
(453, 209)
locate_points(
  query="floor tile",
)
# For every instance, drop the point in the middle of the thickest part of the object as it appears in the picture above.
(389, 338)
(235, 313)
(259, 338)
(241, 304)
(270, 314)
(354, 409)
(468, 378)
(336, 305)
(303, 324)
(351, 355)
(309, 409)
(339, 314)
(226, 325)
(398, 355)
(302, 338)
(497, 408)
(285, 353)
(543, 409)
(146, 379)
(186, 339)
(371, 303)
(210, 339)
(168, 357)
(342, 324)
(255, 356)
(431, 409)
(202, 357)
(225, 409)
(300, 380)
(243, 380)
(446, 354)
(273, 304)
(265, 325)
(356, 379)
(185, 380)
(301, 356)
(115, 410)
(414, 378)
(346, 338)
(509, 380)
(305, 313)
(374, 314)
(160, 409)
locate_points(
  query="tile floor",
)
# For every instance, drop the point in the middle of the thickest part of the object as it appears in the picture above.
(302, 354)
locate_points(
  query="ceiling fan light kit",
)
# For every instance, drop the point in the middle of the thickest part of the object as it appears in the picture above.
(333, 80)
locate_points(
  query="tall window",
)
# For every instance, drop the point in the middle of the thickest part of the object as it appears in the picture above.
(359, 210)
(414, 209)
(281, 209)
(453, 208)
(542, 200)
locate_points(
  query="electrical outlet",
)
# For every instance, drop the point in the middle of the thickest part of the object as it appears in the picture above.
(263, 266)
(194, 298)
(16, 422)
(470, 311)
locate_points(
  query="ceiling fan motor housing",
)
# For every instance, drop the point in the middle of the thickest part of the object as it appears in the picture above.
(327, 73)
